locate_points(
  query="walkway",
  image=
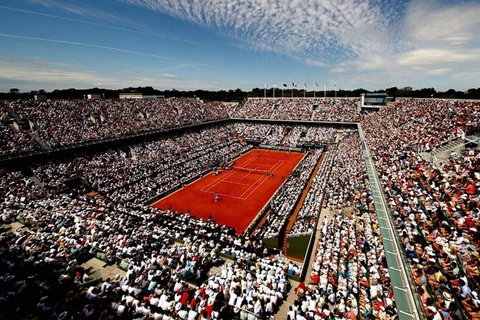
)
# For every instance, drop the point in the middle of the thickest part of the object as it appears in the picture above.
(299, 205)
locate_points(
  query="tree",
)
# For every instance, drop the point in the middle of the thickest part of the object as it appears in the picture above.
(14, 91)
(473, 93)
(425, 93)
(451, 93)
(393, 91)
(358, 92)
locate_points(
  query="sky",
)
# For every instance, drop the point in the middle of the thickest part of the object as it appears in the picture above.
(230, 44)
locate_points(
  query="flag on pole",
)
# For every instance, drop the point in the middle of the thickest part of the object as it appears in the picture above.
(305, 84)
(285, 85)
(294, 84)
(316, 84)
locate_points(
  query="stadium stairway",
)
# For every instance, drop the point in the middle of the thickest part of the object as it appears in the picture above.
(100, 270)
(286, 133)
(448, 150)
(37, 181)
(13, 114)
(32, 135)
(43, 144)
(299, 205)
(95, 194)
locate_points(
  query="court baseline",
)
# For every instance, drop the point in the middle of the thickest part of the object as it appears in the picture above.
(258, 185)
(251, 187)
(207, 188)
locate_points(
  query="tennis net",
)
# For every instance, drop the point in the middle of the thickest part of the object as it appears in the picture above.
(249, 170)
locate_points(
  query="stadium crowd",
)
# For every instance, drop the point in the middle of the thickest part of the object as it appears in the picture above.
(337, 110)
(349, 277)
(59, 123)
(338, 158)
(306, 109)
(61, 232)
(69, 122)
(286, 135)
(318, 135)
(306, 218)
(13, 141)
(286, 197)
(252, 131)
(435, 209)
(148, 169)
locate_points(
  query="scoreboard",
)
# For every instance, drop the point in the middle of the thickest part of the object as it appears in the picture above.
(375, 99)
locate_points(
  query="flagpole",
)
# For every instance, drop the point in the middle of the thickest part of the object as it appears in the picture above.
(314, 84)
(325, 91)
(265, 92)
(335, 89)
(273, 88)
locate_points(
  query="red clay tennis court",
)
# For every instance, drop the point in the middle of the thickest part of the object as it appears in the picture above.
(242, 192)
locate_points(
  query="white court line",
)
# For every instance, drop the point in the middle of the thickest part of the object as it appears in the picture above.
(244, 184)
(216, 182)
(258, 182)
(272, 170)
(278, 162)
(211, 185)
(231, 182)
(235, 182)
(243, 197)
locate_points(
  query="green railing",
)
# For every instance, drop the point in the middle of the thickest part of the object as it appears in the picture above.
(407, 301)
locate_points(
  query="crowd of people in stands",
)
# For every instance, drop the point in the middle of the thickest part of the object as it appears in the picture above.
(251, 290)
(435, 209)
(316, 136)
(283, 202)
(306, 219)
(61, 232)
(252, 131)
(350, 278)
(69, 122)
(297, 135)
(306, 109)
(11, 140)
(435, 122)
(58, 123)
(336, 158)
(145, 170)
(337, 110)
(293, 135)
